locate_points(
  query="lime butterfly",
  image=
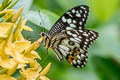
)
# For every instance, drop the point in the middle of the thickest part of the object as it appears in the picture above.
(68, 37)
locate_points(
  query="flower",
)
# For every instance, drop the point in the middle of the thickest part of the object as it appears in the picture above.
(33, 73)
(15, 51)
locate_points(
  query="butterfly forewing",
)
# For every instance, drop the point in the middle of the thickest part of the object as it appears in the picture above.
(69, 39)
(74, 18)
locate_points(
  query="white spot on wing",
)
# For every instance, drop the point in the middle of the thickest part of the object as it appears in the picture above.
(63, 19)
(84, 15)
(85, 34)
(80, 11)
(73, 11)
(85, 46)
(78, 15)
(82, 55)
(80, 30)
(74, 35)
(74, 21)
(74, 62)
(64, 47)
(87, 40)
(69, 33)
(85, 11)
(83, 19)
(92, 32)
(83, 7)
(72, 25)
(86, 59)
(68, 13)
(84, 63)
(92, 37)
(74, 40)
(63, 52)
(80, 37)
(80, 27)
(77, 12)
(78, 57)
(82, 66)
(78, 61)
(80, 23)
(69, 28)
(82, 51)
(69, 21)
(77, 39)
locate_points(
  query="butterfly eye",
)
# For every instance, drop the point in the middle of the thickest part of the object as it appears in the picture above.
(43, 34)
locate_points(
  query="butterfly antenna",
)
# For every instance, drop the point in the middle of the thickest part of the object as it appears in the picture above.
(41, 20)
(44, 31)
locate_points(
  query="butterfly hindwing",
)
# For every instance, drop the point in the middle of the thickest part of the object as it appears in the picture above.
(74, 18)
(74, 47)
(73, 53)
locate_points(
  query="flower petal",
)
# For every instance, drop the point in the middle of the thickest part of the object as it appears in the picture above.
(45, 71)
(6, 77)
(15, 17)
(43, 78)
(7, 11)
(13, 69)
(27, 28)
(5, 27)
(20, 46)
(7, 63)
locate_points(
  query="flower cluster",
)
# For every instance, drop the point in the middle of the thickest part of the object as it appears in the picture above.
(15, 51)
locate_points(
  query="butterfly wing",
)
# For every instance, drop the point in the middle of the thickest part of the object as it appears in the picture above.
(74, 47)
(74, 18)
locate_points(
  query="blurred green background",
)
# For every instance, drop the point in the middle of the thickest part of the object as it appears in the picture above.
(103, 55)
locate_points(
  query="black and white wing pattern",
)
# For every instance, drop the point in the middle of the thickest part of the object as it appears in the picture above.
(74, 18)
(70, 39)
(79, 41)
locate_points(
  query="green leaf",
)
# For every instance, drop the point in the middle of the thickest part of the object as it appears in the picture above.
(5, 4)
(12, 4)
(57, 6)
(33, 36)
(46, 20)
(106, 68)
(108, 43)
(104, 9)
(64, 3)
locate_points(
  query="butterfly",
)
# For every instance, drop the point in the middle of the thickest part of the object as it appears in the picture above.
(68, 37)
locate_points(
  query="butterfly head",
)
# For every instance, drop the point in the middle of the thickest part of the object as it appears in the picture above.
(45, 39)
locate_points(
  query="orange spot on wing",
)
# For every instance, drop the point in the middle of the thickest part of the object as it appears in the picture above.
(69, 60)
